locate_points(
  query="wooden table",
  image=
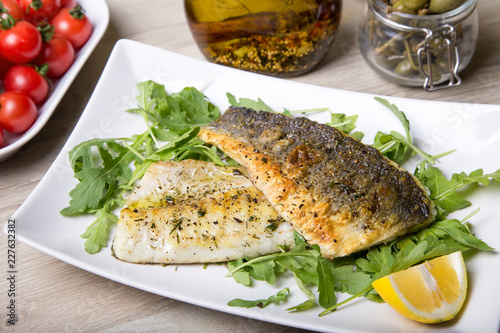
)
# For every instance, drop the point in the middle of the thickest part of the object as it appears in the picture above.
(56, 297)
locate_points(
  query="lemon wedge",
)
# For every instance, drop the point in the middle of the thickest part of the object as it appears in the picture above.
(431, 292)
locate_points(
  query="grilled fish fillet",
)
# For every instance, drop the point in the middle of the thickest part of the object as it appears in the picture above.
(336, 192)
(197, 212)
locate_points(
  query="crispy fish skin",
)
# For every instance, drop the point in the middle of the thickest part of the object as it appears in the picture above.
(197, 212)
(336, 192)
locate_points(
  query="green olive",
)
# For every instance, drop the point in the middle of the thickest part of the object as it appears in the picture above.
(437, 42)
(443, 6)
(404, 69)
(438, 46)
(415, 4)
(436, 72)
(399, 6)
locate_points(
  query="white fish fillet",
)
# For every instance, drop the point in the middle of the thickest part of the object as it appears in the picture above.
(197, 212)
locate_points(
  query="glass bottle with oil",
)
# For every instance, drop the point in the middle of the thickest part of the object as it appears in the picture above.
(276, 37)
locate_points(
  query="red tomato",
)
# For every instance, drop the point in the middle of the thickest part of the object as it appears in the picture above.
(59, 54)
(39, 10)
(1, 137)
(13, 9)
(73, 24)
(17, 112)
(28, 80)
(21, 43)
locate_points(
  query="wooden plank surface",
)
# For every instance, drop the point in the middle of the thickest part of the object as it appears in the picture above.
(53, 296)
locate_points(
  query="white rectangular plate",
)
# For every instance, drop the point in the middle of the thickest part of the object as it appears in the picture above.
(437, 127)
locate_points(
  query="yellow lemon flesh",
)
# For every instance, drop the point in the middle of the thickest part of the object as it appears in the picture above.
(431, 292)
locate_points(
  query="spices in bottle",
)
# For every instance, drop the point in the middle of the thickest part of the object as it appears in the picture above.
(276, 37)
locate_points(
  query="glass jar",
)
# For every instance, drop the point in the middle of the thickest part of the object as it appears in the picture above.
(419, 50)
(276, 37)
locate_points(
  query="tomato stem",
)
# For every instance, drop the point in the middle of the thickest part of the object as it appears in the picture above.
(6, 20)
(35, 5)
(77, 12)
(46, 30)
(43, 69)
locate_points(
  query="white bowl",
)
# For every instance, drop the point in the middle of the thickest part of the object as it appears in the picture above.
(98, 13)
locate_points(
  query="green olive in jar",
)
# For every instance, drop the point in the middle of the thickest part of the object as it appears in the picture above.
(407, 49)
(405, 69)
(443, 6)
(400, 6)
(415, 4)
(436, 72)
(438, 46)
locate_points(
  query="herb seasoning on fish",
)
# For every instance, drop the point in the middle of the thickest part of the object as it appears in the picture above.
(215, 214)
(336, 192)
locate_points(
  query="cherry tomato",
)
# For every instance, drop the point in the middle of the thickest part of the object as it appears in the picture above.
(21, 43)
(73, 24)
(28, 80)
(39, 10)
(17, 112)
(58, 53)
(13, 9)
(1, 137)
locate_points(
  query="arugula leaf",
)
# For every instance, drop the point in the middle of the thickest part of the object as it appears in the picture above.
(305, 263)
(309, 303)
(376, 259)
(326, 283)
(346, 124)
(444, 192)
(192, 109)
(179, 111)
(458, 232)
(404, 258)
(264, 270)
(258, 105)
(240, 276)
(98, 178)
(396, 146)
(348, 279)
(308, 268)
(281, 296)
(96, 233)
(401, 116)
(149, 94)
(342, 122)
